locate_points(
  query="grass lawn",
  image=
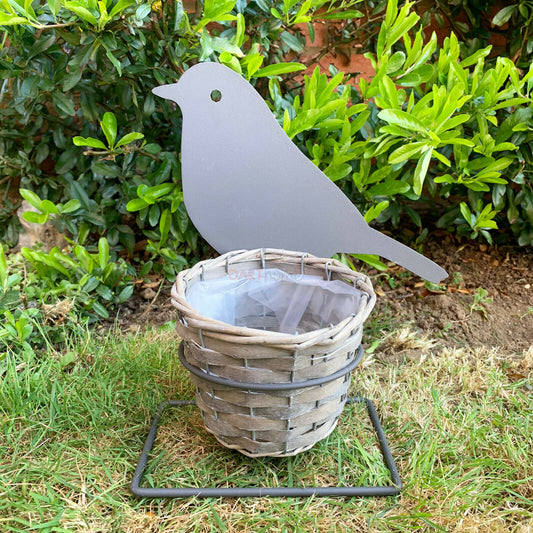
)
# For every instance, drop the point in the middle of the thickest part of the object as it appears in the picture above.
(459, 423)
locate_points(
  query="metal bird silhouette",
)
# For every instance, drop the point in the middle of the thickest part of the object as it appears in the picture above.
(246, 185)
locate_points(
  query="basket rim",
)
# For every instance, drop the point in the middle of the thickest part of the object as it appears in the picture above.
(245, 335)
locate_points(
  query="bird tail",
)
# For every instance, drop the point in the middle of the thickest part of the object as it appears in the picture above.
(404, 256)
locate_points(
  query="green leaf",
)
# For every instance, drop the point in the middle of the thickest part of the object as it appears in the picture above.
(295, 44)
(52, 261)
(100, 310)
(153, 214)
(452, 123)
(89, 141)
(278, 68)
(41, 44)
(371, 260)
(522, 115)
(104, 17)
(240, 35)
(421, 171)
(459, 141)
(70, 206)
(31, 198)
(121, 5)
(414, 216)
(63, 103)
(3, 267)
(105, 169)
(164, 225)
(342, 15)
(62, 258)
(71, 79)
(504, 146)
(152, 148)
(395, 62)
(216, 10)
(112, 275)
(389, 188)
(30, 87)
(87, 262)
(67, 161)
(105, 292)
(253, 62)
(213, 9)
(417, 76)
(125, 294)
(380, 45)
(35, 218)
(136, 204)
(144, 10)
(103, 252)
(476, 57)
(465, 212)
(402, 119)
(114, 60)
(302, 15)
(223, 45)
(376, 210)
(91, 283)
(230, 61)
(82, 12)
(49, 207)
(337, 172)
(377, 175)
(388, 94)
(442, 158)
(153, 193)
(129, 138)
(406, 151)
(391, 13)
(504, 15)
(10, 20)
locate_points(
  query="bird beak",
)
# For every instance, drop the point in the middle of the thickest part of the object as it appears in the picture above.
(170, 92)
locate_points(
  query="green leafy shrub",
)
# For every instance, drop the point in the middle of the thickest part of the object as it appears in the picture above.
(432, 131)
(86, 278)
(59, 292)
(475, 23)
(31, 318)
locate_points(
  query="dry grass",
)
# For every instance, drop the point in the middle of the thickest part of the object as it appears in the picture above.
(459, 423)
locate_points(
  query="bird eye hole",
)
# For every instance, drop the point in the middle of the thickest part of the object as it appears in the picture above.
(216, 95)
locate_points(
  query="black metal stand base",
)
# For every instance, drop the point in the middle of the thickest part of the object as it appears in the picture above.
(258, 492)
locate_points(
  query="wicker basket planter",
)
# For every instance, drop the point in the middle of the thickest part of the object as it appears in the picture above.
(265, 393)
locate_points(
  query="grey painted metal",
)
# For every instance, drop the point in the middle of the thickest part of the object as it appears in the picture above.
(270, 386)
(258, 492)
(246, 185)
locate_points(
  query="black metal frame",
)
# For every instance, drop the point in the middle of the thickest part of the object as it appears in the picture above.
(241, 492)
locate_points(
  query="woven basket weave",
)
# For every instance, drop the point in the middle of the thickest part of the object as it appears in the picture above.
(262, 392)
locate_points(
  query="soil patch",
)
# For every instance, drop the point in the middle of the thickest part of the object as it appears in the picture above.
(486, 301)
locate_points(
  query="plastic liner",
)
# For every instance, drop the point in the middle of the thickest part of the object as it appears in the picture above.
(273, 300)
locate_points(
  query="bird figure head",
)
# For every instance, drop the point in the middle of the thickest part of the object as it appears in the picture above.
(211, 89)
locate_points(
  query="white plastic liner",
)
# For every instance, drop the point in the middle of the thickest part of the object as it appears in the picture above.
(273, 300)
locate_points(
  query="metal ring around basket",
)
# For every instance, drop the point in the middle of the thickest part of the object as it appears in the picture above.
(269, 386)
